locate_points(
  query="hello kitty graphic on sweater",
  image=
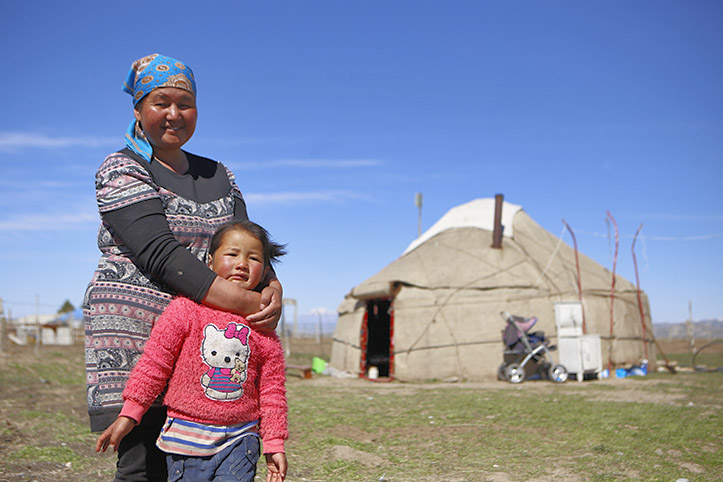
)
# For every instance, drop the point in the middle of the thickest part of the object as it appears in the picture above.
(225, 352)
(219, 372)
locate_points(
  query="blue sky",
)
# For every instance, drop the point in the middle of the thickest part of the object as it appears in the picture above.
(333, 114)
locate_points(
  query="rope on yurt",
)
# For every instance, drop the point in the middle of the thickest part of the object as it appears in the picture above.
(579, 278)
(554, 253)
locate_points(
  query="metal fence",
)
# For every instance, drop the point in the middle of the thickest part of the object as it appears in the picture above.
(308, 325)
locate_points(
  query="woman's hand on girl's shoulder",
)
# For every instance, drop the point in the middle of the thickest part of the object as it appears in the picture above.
(268, 318)
(227, 296)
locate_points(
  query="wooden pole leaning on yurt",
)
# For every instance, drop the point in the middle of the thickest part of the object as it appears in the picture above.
(579, 279)
(612, 292)
(497, 229)
(640, 301)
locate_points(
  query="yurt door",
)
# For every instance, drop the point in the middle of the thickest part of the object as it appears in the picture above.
(379, 358)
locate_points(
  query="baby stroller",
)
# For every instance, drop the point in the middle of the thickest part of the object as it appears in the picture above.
(527, 353)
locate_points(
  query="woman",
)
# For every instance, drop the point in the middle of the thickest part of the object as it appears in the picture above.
(159, 207)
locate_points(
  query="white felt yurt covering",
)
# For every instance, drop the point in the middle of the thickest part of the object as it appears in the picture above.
(445, 293)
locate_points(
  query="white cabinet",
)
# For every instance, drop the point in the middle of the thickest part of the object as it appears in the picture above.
(580, 354)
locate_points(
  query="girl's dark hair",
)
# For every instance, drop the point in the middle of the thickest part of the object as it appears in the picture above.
(272, 251)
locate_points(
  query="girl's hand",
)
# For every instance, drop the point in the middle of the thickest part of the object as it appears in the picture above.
(268, 318)
(276, 466)
(114, 434)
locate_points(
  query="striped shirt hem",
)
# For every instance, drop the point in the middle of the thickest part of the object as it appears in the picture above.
(184, 437)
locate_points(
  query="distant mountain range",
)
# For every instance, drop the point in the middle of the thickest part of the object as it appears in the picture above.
(701, 329)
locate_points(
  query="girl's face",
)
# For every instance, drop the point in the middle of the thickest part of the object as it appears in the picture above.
(239, 259)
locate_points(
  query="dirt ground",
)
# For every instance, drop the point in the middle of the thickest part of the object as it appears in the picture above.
(66, 401)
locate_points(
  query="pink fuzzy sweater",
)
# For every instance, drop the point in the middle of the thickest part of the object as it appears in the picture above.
(218, 371)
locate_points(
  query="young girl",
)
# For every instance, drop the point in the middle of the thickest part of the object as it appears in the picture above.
(225, 383)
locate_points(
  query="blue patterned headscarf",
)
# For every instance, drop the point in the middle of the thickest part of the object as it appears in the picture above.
(146, 74)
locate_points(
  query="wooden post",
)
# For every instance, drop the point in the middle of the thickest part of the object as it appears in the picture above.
(689, 327)
(3, 327)
(418, 203)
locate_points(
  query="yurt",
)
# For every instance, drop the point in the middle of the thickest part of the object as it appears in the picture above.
(434, 312)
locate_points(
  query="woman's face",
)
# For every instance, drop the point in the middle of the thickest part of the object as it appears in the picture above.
(168, 116)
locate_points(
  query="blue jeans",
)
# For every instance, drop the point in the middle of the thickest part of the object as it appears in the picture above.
(233, 464)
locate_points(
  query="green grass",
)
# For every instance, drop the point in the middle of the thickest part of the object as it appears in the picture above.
(55, 367)
(53, 438)
(456, 432)
(67, 429)
(707, 357)
(302, 358)
(658, 427)
(58, 455)
(45, 424)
